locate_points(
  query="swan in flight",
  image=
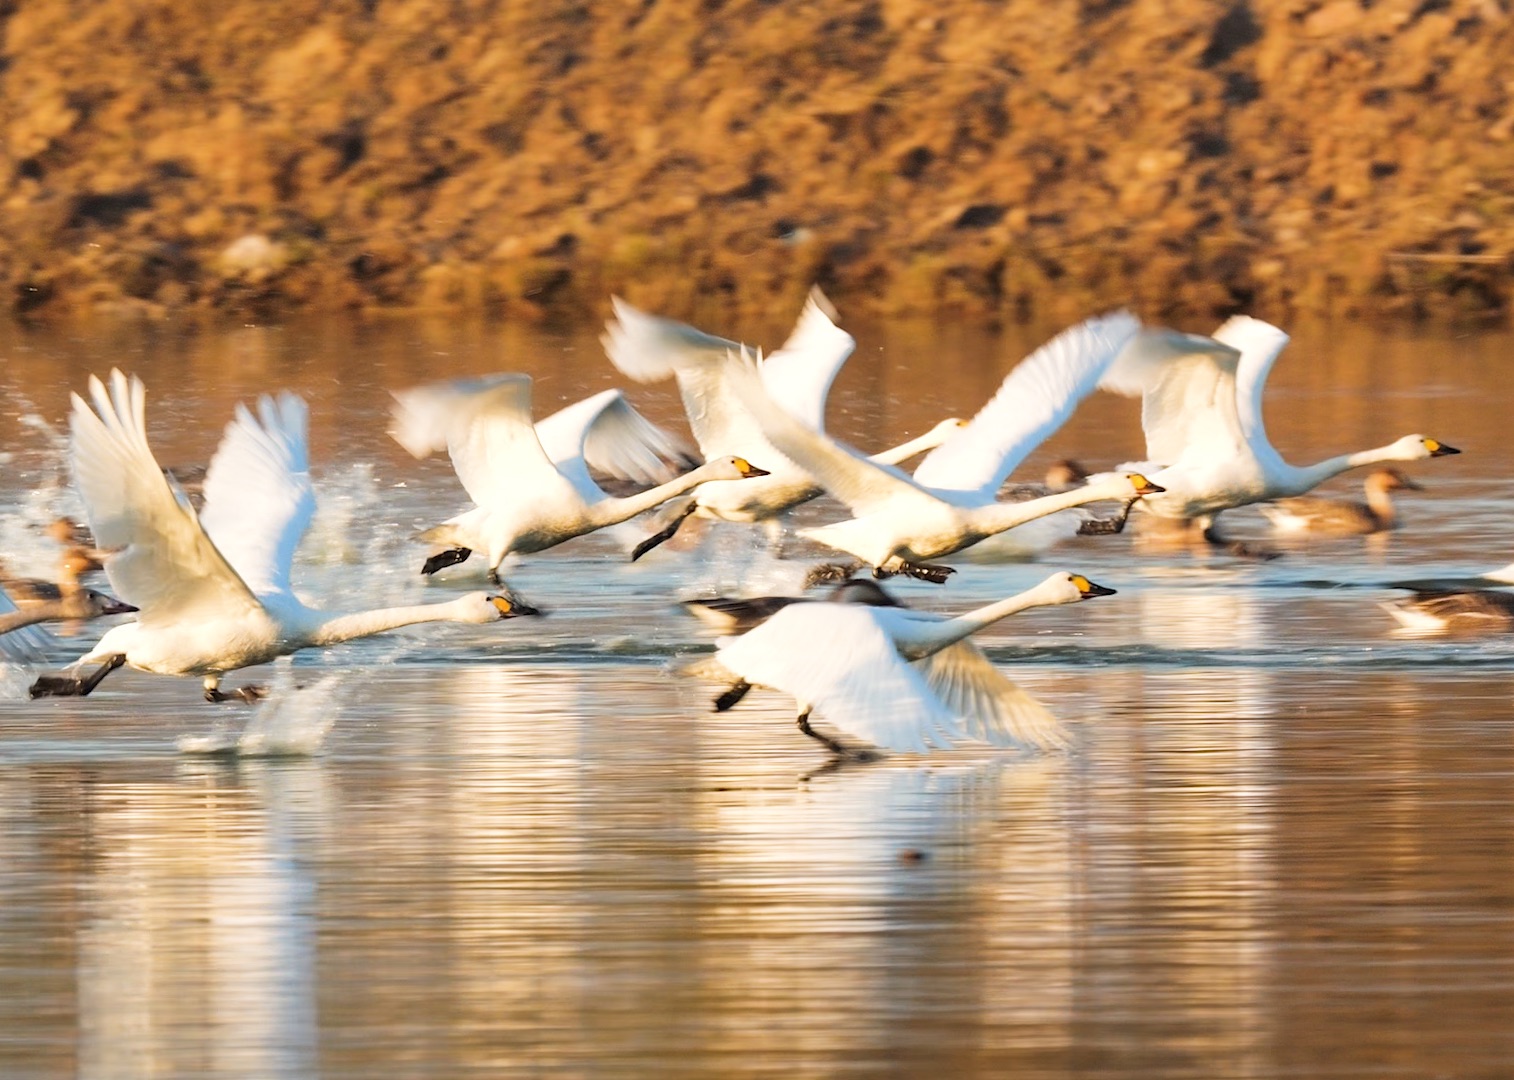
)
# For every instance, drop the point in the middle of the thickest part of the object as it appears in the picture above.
(1201, 411)
(76, 603)
(1340, 517)
(891, 675)
(901, 522)
(213, 588)
(798, 376)
(530, 484)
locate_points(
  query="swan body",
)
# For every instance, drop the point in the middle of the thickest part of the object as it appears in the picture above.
(1321, 516)
(895, 677)
(1201, 411)
(900, 521)
(530, 483)
(798, 377)
(213, 589)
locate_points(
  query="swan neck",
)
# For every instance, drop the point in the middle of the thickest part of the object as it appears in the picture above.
(1308, 477)
(340, 628)
(612, 511)
(1006, 515)
(1381, 505)
(926, 638)
(27, 616)
(906, 450)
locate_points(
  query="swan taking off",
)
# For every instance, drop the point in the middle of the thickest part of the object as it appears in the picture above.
(213, 588)
(1201, 411)
(901, 522)
(890, 675)
(798, 377)
(530, 484)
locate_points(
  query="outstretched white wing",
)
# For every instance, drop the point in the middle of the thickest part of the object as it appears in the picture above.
(606, 434)
(992, 708)
(1260, 344)
(258, 496)
(799, 375)
(485, 425)
(838, 659)
(648, 348)
(1034, 400)
(1186, 383)
(162, 561)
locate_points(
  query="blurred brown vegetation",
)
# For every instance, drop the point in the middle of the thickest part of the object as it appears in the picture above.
(980, 159)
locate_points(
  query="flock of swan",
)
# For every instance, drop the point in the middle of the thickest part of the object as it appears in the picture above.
(210, 588)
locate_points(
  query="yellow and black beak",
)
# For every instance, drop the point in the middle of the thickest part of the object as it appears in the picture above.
(1088, 590)
(510, 609)
(1439, 449)
(1144, 486)
(748, 470)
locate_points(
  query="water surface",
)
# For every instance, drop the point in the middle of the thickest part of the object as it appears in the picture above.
(1279, 848)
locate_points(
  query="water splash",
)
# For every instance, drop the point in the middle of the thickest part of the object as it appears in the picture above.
(292, 721)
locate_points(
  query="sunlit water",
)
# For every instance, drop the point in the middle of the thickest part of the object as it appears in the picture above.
(1281, 846)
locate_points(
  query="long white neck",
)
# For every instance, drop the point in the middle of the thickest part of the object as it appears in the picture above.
(1303, 478)
(339, 628)
(997, 517)
(906, 450)
(921, 637)
(613, 511)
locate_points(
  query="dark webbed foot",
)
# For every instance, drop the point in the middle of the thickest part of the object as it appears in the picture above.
(666, 534)
(245, 694)
(731, 697)
(1108, 526)
(450, 557)
(72, 686)
(937, 575)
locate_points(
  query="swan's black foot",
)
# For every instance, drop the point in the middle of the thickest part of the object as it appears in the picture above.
(494, 579)
(451, 557)
(666, 534)
(832, 573)
(730, 698)
(835, 746)
(245, 694)
(927, 572)
(72, 686)
(1107, 526)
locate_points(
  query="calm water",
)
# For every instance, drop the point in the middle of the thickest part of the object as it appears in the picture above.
(1281, 847)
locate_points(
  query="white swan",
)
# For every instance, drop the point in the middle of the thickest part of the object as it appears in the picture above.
(530, 484)
(900, 522)
(213, 589)
(1342, 517)
(798, 376)
(864, 667)
(1201, 410)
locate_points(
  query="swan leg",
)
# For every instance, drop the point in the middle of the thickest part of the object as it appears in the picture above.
(450, 557)
(925, 572)
(666, 534)
(71, 686)
(1108, 526)
(247, 694)
(729, 699)
(838, 748)
(1232, 547)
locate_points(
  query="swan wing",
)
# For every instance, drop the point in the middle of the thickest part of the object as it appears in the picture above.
(993, 708)
(1186, 383)
(485, 425)
(838, 659)
(258, 496)
(1032, 402)
(648, 348)
(605, 433)
(162, 561)
(799, 375)
(1260, 345)
(863, 484)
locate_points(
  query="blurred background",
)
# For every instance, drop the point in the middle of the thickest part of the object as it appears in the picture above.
(997, 161)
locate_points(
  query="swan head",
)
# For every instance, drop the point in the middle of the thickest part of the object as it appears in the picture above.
(734, 468)
(1391, 480)
(1143, 486)
(1066, 588)
(1429, 447)
(481, 607)
(97, 603)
